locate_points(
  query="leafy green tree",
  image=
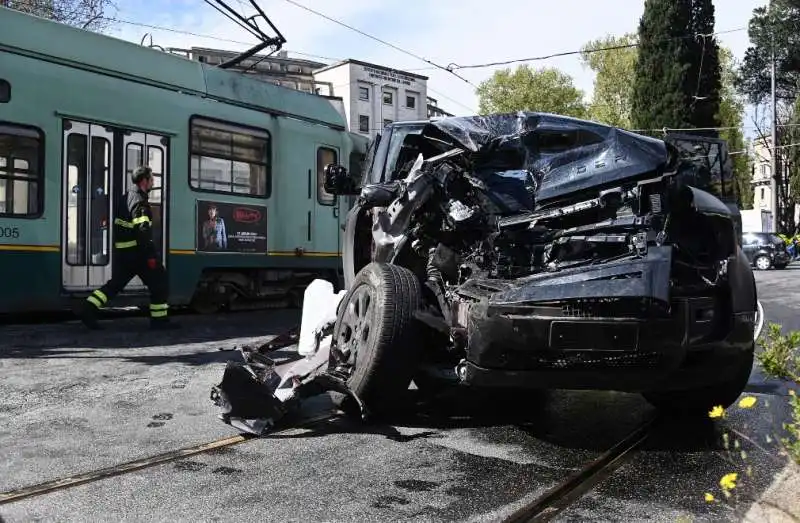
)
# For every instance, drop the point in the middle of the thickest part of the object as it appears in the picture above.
(775, 28)
(731, 118)
(615, 70)
(677, 78)
(526, 89)
(772, 27)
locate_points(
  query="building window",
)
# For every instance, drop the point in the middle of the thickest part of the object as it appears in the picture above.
(363, 93)
(411, 102)
(363, 123)
(325, 156)
(229, 159)
(388, 99)
(762, 193)
(386, 122)
(21, 171)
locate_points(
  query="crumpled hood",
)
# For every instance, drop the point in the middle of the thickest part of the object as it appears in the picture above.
(564, 154)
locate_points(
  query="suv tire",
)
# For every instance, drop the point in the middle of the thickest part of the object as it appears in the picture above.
(701, 400)
(375, 325)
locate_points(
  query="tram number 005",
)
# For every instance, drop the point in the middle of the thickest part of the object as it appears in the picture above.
(9, 232)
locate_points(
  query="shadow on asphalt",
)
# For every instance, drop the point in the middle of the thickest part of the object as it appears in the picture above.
(680, 461)
(575, 420)
(73, 340)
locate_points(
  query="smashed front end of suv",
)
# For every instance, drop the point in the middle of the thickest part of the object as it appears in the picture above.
(551, 252)
(532, 250)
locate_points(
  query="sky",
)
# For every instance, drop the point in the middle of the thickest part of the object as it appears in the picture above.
(442, 31)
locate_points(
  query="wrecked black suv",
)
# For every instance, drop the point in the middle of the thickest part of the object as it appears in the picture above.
(532, 250)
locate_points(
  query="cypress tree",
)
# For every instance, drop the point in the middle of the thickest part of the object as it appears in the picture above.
(678, 78)
(704, 69)
(662, 69)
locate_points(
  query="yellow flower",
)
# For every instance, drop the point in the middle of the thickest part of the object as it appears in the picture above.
(747, 402)
(716, 412)
(728, 481)
(709, 497)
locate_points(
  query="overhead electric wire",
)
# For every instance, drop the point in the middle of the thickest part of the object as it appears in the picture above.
(384, 42)
(581, 51)
(241, 24)
(727, 128)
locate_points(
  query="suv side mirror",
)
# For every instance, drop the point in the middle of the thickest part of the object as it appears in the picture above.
(337, 180)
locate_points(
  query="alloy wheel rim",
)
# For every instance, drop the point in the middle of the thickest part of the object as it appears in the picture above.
(356, 324)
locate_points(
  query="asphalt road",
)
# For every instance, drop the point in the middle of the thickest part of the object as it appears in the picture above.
(73, 401)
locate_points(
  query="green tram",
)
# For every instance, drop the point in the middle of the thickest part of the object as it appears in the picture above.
(241, 212)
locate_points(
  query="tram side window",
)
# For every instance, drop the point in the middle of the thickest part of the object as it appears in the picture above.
(21, 171)
(229, 159)
(325, 155)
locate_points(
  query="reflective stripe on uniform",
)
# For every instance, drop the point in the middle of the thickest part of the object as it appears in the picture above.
(158, 310)
(101, 296)
(125, 245)
(94, 301)
(130, 225)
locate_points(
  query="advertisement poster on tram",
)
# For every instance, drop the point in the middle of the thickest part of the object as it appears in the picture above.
(227, 227)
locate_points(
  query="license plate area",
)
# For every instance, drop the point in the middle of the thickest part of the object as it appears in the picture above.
(594, 336)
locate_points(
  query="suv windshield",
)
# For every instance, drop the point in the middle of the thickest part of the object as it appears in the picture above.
(713, 157)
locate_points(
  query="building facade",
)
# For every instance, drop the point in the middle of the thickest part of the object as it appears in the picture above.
(762, 174)
(761, 180)
(371, 95)
(375, 96)
(434, 111)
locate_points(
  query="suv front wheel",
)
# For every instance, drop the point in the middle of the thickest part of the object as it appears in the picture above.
(701, 400)
(375, 333)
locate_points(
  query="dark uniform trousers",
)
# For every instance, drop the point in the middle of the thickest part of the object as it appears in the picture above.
(133, 248)
(126, 264)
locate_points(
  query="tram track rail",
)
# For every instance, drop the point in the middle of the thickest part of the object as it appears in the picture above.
(75, 480)
(559, 497)
(543, 508)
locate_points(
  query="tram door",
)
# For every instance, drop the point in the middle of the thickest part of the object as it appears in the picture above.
(151, 150)
(98, 160)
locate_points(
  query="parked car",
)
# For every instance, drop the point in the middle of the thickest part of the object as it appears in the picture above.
(765, 250)
(530, 250)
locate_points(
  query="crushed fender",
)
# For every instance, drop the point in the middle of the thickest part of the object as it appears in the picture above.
(252, 395)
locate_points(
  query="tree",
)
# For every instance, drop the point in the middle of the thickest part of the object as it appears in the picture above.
(85, 14)
(774, 27)
(525, 89)
(615, 70)
(731, 117)
(659, 87)
(704, 68)
(677, 77)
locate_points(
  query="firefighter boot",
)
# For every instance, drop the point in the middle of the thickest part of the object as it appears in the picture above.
(88, 315)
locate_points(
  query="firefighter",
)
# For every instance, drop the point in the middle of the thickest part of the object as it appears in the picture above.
(134, 254)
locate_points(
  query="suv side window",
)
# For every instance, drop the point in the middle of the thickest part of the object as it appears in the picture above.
(379, 158)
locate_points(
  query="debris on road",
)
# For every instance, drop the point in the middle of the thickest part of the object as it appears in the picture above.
(254, 397)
